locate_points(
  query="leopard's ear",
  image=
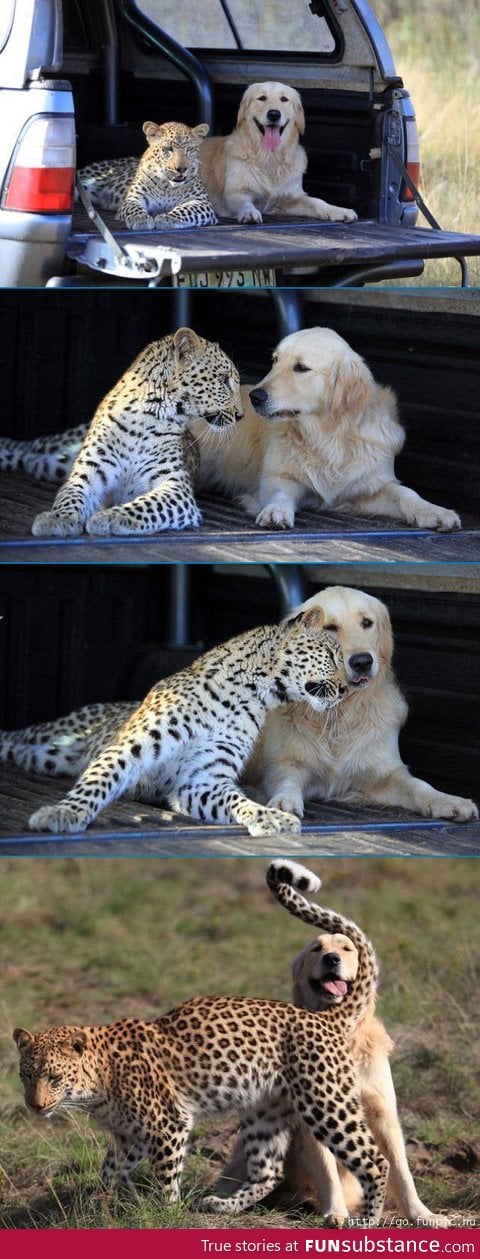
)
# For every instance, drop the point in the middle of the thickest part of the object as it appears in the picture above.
(201, 131)
(186, 343)
(22, 1038)
(311, 618)
(79, 1041)
(150, 130)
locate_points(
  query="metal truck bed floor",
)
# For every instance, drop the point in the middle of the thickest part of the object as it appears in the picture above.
(226, 534)
(130, 828)
(284, 244)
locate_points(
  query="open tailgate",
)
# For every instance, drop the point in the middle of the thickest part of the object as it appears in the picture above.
(280, 245)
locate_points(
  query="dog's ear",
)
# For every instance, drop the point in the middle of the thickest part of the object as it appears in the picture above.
(150, 130)
(243, 107)
(186, 343)
(201, 131)
(385, 643)
(352, 387)
(299, 114)
(298, 979)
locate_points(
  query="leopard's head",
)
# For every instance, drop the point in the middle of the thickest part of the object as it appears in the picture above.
(56, 1069)
(175, 148)
(312, 663)
(203, 381)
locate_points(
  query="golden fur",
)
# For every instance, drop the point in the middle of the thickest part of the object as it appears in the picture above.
(355, 756)
(311, 1172)
(245, 177)
(318, 431)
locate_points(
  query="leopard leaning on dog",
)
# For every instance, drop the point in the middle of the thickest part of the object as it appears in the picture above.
(190, 739)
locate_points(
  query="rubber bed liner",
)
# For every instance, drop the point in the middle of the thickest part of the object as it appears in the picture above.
(226, 533)
(283, 244)
(131, 828)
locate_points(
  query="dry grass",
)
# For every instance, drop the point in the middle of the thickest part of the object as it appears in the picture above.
(92, 940)
(436, 47)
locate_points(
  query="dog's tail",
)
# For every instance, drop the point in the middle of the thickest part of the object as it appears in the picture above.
(288, 881)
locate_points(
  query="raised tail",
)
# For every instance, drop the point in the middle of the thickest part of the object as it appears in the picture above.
(44, 458)
(287, 880)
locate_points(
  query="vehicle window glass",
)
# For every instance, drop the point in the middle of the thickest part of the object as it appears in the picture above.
(285, 26)
(6, 19)
(75, 32)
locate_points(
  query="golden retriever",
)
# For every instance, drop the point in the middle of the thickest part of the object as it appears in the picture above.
(354, 757)
(259, 168)
(311, 1172)
(318, 431)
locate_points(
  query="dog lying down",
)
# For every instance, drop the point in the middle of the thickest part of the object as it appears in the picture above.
(259, 168)
(317, 432)
(356, 759)
(323, 976)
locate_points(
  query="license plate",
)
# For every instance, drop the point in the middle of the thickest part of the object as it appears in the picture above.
(261, 277)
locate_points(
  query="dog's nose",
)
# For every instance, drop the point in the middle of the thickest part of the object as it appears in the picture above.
(274, 115)
(258, 397)
(361, 662)
(331, 960)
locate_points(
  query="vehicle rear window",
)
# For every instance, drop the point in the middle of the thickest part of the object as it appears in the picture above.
(285, 26)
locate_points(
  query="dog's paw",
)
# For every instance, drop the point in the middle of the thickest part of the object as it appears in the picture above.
(430, 517)
(59, 819)
(453, 808)
(250, 214)
(335, 1220)
(49, 524)
(274, 822)
(340, 214)
(288, 802)
(273, 517)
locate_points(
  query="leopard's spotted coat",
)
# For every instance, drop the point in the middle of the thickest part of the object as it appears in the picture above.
(162, 188)
(190, 739)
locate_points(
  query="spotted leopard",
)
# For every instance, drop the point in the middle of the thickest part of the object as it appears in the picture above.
(135, 470)
(148, 1082)
(347, 981)
(189, 740)
(162, 188)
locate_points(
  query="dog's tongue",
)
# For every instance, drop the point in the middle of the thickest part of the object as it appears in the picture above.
(271, 139)
(336, 986)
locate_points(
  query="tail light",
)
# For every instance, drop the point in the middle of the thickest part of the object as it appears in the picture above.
(41, 176)
(412, 162)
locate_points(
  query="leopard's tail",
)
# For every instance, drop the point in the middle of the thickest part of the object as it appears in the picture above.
(287, 880)
(67, 745)
(44, 458)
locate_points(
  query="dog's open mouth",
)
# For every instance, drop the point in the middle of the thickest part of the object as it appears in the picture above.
(330, 985)
(272, 134)
(361, 681)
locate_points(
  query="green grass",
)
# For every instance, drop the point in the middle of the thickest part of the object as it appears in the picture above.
(91, 941)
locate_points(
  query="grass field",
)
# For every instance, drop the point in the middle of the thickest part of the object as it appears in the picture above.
(91, 941)
(436, 47)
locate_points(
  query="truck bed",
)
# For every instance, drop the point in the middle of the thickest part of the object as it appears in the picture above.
(226, 534)
(130, 828)
(280, 244)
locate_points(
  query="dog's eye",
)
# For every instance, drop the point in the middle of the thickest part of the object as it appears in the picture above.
(300, 367)
(333, 628)
(366, 623)
(261, 98)
(284, 98)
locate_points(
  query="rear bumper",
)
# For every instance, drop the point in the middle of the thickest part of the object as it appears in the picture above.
(32, 247)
